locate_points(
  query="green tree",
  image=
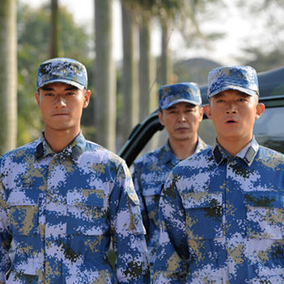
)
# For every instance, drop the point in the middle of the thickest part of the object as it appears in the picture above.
(33, 48)
(8, 78)
(263, 49)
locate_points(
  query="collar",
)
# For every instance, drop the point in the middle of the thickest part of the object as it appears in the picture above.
(247, 154)
(73, 150)
(167, 155)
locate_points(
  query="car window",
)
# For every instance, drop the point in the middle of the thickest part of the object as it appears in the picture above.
(268, 129)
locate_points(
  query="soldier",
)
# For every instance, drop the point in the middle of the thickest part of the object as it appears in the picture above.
(65, 200)
(180, 111)
(222, 211)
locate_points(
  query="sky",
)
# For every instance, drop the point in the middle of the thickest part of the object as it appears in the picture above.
(236, 26)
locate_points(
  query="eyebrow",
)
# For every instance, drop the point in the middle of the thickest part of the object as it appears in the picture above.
(188, 105)
(240, 94)
(68, 88)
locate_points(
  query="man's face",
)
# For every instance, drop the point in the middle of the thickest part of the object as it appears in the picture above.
(233, 114)
(61, 106)
(181, 121)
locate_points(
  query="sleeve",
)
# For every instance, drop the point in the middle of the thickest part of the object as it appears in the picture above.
(128, 231)
(138, 188)
(172, 257)
(5, 238)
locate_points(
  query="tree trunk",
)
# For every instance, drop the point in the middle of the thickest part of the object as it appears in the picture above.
(105, 85)
(130, 73)
(54, 29)
(166, 62)
(8, 76)
(147, 79)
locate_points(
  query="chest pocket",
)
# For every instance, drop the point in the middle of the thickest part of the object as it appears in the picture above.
(23, 212)
(152, 194)
(86, 214)
(203, 215)
(265, 215)
(151, 198)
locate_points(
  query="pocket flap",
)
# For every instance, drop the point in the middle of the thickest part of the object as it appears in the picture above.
(194, 200)
(23, 197)
(151, 191)
(265, 199)
(86, 197)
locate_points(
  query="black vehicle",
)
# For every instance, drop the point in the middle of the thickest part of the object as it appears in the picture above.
(268, 129)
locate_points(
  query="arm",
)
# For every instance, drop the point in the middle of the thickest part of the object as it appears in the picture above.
(138, 188)
(5, 238)
(173, 252)
(128, 231)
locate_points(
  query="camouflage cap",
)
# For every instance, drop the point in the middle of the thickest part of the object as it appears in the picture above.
(64, 70)
(178, 93)
(240, 78)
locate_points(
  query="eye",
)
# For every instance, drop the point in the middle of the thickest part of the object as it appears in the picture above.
(219, 101)
(242, 99)
(71, 93)
(171, 111)
(49, 94)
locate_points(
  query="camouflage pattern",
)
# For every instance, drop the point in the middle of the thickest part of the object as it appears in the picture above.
(240, 78)
(64, 70)
(178, 93)
(150, 173)
(61, 212)
(224, 216)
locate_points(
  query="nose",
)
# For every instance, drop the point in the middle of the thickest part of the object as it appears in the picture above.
(231, 108)
(181, 117)
(59, 102)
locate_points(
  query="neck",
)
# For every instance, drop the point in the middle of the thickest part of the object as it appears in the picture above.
(233, 146)
(59, 140)
(184, 148)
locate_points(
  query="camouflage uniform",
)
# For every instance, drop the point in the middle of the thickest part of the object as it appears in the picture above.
(60, 212)
(225, 216)
(150, 173)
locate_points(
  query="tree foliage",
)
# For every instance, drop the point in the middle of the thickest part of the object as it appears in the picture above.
(33, 48)
(263, 48)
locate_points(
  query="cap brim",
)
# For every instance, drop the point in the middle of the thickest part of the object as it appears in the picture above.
(68, 82)
(181, 101)
(231, 87)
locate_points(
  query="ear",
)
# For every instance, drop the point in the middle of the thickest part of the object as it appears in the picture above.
(87, 96)
(201, 112)
(207, 110)
(259, 110)
(160, 115)
(37, 99)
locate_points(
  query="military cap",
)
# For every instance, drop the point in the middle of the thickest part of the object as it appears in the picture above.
(64, 70)
(240, 78)
(177, 93)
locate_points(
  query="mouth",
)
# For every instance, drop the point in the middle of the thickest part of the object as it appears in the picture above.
(60, 114)
(182, 129)
(231, 121)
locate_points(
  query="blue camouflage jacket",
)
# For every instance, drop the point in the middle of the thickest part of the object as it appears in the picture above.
(150, 173)
(222, 219)
(61, 212)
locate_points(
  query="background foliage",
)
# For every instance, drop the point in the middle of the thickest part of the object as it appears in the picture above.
(33, 48)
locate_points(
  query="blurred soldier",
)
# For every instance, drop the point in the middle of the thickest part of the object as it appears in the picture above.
(64, 200)
(222, 211)
(180, 111)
